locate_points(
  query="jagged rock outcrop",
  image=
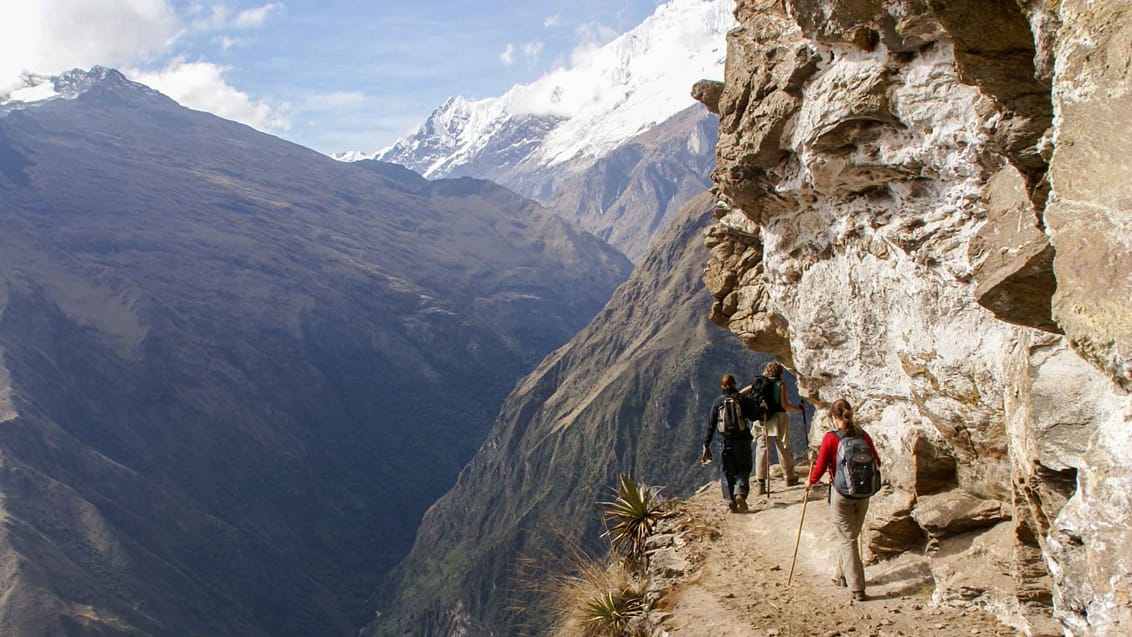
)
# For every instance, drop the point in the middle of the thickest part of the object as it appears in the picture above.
(1090, 208)
(920, 199)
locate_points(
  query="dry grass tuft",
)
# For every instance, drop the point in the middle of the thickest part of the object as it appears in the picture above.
(599, 600)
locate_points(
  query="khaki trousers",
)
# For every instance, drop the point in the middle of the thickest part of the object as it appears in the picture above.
(777, 428)
(848, 518)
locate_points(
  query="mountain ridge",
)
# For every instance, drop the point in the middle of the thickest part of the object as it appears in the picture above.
(217, 352)
(629, 196)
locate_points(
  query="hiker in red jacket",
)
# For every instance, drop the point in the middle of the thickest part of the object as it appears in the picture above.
(851, 460)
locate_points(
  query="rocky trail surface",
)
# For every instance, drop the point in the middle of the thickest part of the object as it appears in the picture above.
(723, 574)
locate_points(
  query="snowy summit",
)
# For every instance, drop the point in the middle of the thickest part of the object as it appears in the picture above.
(42, 88)
(607, 95)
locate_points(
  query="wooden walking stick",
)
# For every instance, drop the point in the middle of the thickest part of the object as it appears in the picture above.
(798, 542)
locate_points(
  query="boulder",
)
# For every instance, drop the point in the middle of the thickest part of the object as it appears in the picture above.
(976, 570)
(890, 529)
(922, 466)
(1013, 257)
(946, 514)
(1089, 217)
(708, 92)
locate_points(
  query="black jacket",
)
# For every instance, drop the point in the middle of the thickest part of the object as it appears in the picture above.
(713, 417)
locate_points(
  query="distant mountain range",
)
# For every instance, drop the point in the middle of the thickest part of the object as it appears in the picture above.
(233, 372)
(582, 126)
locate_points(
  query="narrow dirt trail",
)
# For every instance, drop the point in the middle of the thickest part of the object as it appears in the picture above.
(736, 585)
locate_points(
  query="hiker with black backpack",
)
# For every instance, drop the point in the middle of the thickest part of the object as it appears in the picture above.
(849, 457)
(768, 392)
(731, 418)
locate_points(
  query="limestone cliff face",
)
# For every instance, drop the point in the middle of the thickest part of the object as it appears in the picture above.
(924, 207)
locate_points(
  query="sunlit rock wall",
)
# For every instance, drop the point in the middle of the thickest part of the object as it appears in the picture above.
(925, 207)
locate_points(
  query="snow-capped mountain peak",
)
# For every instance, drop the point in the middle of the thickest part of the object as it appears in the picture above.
(38, 89)
(576, 113)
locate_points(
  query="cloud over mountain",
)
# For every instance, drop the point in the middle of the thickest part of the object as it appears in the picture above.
(46, 37)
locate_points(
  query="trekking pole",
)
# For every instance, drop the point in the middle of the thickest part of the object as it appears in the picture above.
(798, 542)
(766, 459)
(806, 428)
(805, 425)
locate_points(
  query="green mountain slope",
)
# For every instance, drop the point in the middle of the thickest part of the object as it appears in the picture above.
(628, 394)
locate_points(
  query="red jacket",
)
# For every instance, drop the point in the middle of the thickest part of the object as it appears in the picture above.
(827, 456)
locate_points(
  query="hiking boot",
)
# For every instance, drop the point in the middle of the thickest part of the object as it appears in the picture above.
(860, 596)
(839, 581)
(791, 481)
(741, 504)
(762, 487)
(733, 506)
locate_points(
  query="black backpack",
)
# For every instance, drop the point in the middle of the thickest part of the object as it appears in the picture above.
(764, 396)
(855, 474)
(731, 420)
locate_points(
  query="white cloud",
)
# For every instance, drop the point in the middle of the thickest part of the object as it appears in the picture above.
(593, 34)
(532, 50)
(51, 36)
(211, 18)
(251, 18)
(550, 21)
(227, 43)
(592, 37)
(201, 85)
(221, 17)
(507, 57)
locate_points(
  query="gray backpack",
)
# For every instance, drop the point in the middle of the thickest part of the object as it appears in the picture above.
(731, 421)
(856, 474)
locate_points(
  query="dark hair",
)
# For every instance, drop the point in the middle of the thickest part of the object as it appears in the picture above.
(842, 412)
(728, 381)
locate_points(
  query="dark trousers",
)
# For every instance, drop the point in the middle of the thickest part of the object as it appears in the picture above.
(735, 467)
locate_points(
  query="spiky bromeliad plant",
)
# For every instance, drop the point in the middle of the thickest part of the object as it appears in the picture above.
(611, 612)
(631, 517)
(598, 599)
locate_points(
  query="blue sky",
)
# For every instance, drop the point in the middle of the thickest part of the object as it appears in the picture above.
(334, 75)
